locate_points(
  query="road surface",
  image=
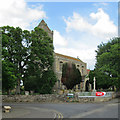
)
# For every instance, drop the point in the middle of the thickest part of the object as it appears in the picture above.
(63, 110)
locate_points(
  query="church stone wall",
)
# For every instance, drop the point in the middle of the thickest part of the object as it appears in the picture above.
(60, 59)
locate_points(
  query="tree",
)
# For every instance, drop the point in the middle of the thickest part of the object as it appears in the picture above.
(9, 78)
(40, 63)
(42, 48)
(91, 77)
(26, 56)
(71, 76)
(47, 82)
(106, 68)
(14, 51)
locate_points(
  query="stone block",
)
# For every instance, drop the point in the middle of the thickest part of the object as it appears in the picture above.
(7, 109)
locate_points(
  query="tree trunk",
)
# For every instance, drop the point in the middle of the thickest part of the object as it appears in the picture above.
(8, 92)
(18, 87)
(18, 81)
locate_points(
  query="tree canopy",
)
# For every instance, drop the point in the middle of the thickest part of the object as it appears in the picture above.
(107, 65)
(25, 56)
(91, 77)
(40, 63)
(71, 76)
(14, 53)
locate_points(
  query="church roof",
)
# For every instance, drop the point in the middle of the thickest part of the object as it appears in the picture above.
(68, 57)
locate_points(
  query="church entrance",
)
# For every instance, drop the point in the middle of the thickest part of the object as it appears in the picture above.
(87, 86)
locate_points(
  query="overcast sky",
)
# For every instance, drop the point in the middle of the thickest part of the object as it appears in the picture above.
(79, 27)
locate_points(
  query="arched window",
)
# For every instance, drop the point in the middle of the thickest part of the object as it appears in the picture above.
(61, 61)
(87, 86)
(78, 65)
(61, 64)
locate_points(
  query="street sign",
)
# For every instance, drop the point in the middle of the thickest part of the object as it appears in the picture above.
(100, 93)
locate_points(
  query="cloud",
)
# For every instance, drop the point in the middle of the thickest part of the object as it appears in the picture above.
(103, 27)
(87, 56)
(100, 4)
(104, 3)
(58, 40)
(73, 48)
(82, 54)
(17, 13)
(77, 22)
(86, 34)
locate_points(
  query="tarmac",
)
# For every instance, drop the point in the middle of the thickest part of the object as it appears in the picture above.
(31, 112)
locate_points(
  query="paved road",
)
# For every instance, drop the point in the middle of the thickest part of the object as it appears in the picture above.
(64, 110)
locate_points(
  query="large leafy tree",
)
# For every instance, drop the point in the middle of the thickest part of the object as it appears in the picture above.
(47, 82)
(14, 52)
(26, 56)
(106, 68)
(39, 73)
(71, 76)
(41, 83)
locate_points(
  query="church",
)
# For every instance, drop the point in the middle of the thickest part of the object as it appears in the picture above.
(60, 59)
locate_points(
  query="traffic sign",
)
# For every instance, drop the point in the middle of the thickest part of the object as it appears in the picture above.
(100, 93)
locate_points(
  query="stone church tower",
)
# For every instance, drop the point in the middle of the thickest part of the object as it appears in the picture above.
(60, 59)
(44, 26)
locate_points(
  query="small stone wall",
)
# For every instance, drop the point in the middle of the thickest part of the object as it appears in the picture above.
(52, 98)
(32, 98)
